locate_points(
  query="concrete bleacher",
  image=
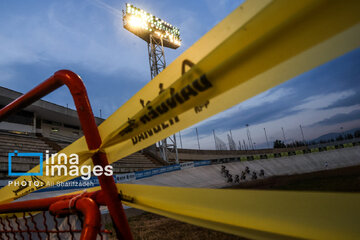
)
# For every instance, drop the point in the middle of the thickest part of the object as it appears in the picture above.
(62, 144)
(135, 162)
(9, 142)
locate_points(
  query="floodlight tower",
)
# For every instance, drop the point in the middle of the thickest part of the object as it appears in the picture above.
(158, 34)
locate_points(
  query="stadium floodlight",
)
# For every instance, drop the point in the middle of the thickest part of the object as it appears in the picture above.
(158, 34)
(144, 24)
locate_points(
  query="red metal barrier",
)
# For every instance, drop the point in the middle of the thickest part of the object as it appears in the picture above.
(86, 204)
(91, 133)
(87, 207)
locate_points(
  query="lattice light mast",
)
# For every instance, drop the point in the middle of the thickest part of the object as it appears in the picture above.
(155, 31)
(158, 34)
(156, 56)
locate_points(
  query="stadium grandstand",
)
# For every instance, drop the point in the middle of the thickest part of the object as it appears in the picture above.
(48, 126)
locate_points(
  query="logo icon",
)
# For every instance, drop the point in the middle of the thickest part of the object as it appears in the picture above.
(17, 154)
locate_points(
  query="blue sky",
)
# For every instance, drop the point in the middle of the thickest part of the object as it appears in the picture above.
(40, 37)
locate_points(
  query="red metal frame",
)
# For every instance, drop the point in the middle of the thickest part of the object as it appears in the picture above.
(91, 133)
(87, 207)
(86, 203)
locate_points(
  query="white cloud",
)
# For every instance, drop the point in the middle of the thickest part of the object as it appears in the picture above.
(324, 100)
(6, 75)
(14, 51)
(267, 97)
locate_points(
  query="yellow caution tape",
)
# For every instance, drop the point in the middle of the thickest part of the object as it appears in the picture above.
(255, 214)
(258, 46)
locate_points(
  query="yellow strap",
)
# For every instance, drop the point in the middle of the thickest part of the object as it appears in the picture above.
(258, 46)
(256, 214)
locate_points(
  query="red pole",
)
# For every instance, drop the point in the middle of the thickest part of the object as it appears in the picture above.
(91, 133)
(87, 207)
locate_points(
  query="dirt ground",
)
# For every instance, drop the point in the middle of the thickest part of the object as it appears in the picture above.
(150, 226)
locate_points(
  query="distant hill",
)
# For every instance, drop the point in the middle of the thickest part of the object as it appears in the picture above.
(334, 135)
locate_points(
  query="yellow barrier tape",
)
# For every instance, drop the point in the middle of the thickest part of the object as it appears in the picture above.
(258, 46)
(256, 214)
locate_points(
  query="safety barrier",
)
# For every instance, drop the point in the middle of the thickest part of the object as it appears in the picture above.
(54, 220)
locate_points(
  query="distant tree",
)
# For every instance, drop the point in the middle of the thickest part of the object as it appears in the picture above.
(279, 144)
(299, 144)
(349, 136)
(340, 138)
(357, 134)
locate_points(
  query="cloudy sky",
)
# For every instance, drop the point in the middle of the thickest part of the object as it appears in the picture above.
(40, 37)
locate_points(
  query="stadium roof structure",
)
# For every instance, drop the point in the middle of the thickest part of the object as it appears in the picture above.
(144, 24)
(44, 109)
